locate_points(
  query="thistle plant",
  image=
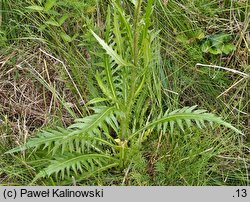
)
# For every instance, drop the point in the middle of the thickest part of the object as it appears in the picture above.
(128, 109)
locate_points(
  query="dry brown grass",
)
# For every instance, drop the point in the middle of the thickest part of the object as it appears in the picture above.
(25, 102)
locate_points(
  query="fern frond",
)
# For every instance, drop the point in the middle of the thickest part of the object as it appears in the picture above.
(187, 115)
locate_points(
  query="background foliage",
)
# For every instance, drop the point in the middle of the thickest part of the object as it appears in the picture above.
(112, 92)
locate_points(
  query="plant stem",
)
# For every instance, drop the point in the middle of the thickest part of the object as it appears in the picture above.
(134, 71)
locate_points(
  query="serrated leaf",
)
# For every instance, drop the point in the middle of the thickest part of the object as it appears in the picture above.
(118, 59)
(199, 118)
(93, 121)
(45, 138)
(63, 164)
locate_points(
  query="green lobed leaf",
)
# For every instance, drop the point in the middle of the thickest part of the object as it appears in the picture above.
(79, 163)
(178, 116)
(45, 138)
(118, 59)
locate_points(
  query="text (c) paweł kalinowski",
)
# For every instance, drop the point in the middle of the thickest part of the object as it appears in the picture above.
(54, 193)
